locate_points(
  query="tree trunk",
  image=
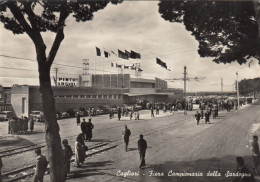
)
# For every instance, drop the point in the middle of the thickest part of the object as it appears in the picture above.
(53, 140)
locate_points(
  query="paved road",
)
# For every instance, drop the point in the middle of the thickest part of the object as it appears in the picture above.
(175, 143)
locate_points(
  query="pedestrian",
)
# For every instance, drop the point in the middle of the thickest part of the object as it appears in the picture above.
(41, 166)
(131, 114)
(78, 119)
(89, 128)
(83, 127)
(79, 151)
(25, 124)
(119, 113)
(1, 166)
(197, 116)
(241, 169)
(137, 115)
(142, 146)
(207, 115)
(67, 152)
(152, 114)
(126, 134)
(31, 121)
(255, 152)
(110, 113)
(157, 110)
(201, 113)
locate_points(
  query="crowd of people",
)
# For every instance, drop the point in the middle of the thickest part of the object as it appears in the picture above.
(20, 125)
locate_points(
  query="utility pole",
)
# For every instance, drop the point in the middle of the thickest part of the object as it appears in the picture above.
(222, 89)
(184, 91)
(56, 77)
(237, 91)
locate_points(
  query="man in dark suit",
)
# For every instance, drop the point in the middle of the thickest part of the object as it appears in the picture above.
(142, 146)
(126, 134)
(41, 166)
(83, 127)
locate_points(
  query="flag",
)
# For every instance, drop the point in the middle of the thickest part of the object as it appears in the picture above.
(113, 53)
(135, 55)
(164, 65)
(158, 61)
(139, 69)
(112, 64)
(128, 53)
(98, 51)
(106, 54)
(122, 55)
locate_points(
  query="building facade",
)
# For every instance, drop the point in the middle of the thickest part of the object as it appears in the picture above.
(110, 90)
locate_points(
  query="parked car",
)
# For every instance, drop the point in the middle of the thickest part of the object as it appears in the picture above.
(71, 112)
(65, 115)
(37, 115)
(99, 111)
(105, 109)
(5, 115)
(114, 108)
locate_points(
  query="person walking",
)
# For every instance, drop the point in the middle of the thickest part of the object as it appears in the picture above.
(67, 152)
(78, 119)
(119, 112)
(126, 134)
(79, 151)
(255, 152)
(152, 114)
(197, 117)
(89, 128)
(83, 127)
(157, 110)
(207, 116)
(41, 166)
(142, 146)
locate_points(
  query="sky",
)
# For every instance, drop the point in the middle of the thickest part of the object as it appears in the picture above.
(131, 25)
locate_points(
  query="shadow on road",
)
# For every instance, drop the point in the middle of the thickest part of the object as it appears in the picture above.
(90, 169)
(206, 167)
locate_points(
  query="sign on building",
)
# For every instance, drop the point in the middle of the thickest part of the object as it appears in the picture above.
(68, 82)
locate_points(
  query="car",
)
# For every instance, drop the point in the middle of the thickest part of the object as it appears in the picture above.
(5, 115)
(65, 115)
(105, 109)
(37, 115)
(99, 111)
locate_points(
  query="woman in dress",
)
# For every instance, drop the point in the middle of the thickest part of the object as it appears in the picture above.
(79, 150)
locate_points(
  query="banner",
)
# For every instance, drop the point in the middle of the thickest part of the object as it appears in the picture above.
(122, 55)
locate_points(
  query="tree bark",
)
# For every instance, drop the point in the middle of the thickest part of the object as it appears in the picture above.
(53, 140)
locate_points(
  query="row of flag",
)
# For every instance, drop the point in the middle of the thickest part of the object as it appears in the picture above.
(162, 64)
(121, 54)
(133, 67)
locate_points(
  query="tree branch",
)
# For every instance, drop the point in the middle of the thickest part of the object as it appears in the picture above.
(32, 17)
(64, 13)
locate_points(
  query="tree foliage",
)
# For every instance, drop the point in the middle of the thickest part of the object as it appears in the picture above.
(225, 30)
(33, 18)
(248, 86)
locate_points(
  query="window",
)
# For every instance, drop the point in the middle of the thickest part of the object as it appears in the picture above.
(23, 105)
(62, 96)
(88, 96)
(68, 96)
(110, 96)
(119, 96)
(115, 96)
(100, 96)
(75, 96)
(82, 96)
(104, 96)
(94, 96)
